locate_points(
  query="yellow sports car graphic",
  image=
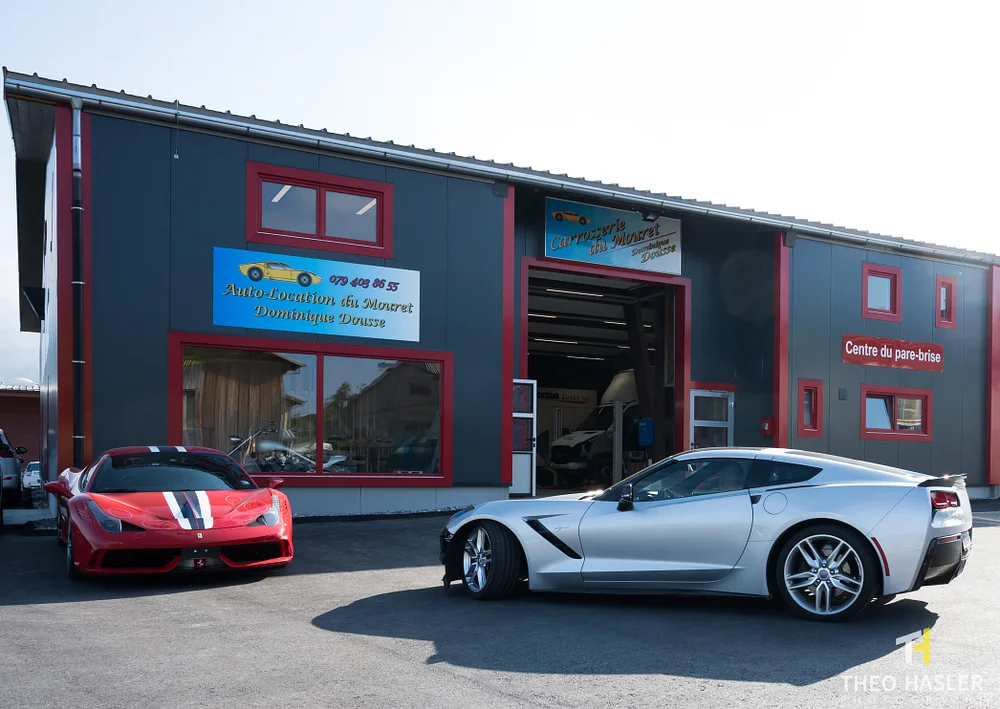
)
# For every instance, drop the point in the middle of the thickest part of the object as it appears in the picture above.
(566, 215)
(277, 271)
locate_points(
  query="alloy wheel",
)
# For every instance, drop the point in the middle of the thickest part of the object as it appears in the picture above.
(476, 559)
(824, 574)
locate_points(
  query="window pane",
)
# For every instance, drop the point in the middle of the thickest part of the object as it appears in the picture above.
(523, 403)
(288, 208)
(686, 479)
(351, 216)
(710, 436)
(522, 435)
(808, 408)
(711, 408)
(381, 416)
(260, 407)
(945, 302)
(879, 293)
(877, 413)
(909, 414)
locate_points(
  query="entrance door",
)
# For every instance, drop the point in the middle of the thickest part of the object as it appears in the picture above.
(711, 418)
(523, 475)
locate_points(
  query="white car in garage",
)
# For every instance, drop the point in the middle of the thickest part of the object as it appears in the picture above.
(32, 476)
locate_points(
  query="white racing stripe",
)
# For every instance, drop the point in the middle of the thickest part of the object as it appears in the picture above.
(206, 509)
(175, 510)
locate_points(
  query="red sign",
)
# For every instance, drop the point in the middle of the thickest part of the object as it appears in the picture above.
(900, 354)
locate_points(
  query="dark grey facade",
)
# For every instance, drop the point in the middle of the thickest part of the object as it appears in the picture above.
(157, 217)
(826, 303)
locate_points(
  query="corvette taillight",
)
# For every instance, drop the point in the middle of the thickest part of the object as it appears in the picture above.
(941, 500)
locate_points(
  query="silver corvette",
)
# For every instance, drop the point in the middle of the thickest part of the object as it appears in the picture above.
(827, 535)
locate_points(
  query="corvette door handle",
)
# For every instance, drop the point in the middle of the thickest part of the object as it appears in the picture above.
(754, 499)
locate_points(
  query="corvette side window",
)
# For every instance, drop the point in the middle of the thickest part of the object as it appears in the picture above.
(769, 472)
(693, 478)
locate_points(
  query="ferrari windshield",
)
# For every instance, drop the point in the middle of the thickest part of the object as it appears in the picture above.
(165, 472)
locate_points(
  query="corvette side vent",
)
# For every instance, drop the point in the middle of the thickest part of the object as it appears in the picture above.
(551, 538)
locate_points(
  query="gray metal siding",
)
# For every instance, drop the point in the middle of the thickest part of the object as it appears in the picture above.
(156, 219)
(826, 303)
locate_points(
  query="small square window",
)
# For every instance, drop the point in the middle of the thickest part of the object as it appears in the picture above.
(894, 413)
(944, 312)
(352, 217)
(810, 408)
(881, 292)
(288, 208)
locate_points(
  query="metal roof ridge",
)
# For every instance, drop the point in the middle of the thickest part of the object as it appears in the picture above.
(174, 111)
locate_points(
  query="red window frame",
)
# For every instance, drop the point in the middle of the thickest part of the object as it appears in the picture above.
(175, 405)
(894, 314)
(258, 173)
(952, 285)
(875, 390)
(816, 430)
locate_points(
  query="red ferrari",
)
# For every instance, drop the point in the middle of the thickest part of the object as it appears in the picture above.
(154, 510)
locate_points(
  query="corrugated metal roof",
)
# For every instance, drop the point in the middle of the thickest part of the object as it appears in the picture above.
(251, 126)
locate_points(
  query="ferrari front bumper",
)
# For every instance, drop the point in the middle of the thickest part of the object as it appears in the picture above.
(168, 551)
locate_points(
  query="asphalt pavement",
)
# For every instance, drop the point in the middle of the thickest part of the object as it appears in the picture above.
(360, 619)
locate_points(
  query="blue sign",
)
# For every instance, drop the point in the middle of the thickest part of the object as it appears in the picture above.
(611, 237)
(298, 294)
(645, 432)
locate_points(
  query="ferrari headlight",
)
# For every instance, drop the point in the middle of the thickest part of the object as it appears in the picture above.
(273, 515)
(107, 522)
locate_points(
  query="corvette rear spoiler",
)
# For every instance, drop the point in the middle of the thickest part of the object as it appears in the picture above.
(951, 480)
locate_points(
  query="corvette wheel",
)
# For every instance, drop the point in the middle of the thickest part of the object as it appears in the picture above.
(490, 561)
(826, 573)
(71, 571)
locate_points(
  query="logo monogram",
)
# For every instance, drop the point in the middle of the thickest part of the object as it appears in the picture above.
(913, 646)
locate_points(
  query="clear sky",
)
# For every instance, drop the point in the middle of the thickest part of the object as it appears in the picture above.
(881, 116)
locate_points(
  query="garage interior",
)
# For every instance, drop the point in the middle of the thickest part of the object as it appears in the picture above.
(583, 334)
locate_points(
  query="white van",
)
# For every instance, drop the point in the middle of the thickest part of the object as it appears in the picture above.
(585, 455)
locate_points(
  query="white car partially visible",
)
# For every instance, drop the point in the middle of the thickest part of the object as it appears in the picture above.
(32, 476)
(10, 471)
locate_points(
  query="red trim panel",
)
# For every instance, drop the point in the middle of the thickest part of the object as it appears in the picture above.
(713, 386)
(895, 434)
(507, 340)
(175, 383)
(320, 181)
(951, 284)
(894, 314)
(993, 379)
(64, 285)
(682, 327)
(816, 430)
(781, 310)
(88, 273)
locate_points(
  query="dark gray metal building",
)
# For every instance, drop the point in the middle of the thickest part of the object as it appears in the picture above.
(377, 324)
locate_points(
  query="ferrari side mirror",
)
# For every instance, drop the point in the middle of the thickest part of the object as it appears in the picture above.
(625, 501)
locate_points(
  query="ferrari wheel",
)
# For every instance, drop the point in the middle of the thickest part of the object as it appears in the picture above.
(826, 573)
(305, 280)
(255, 274)
(71, 571)
(59, 526)
(490, 561)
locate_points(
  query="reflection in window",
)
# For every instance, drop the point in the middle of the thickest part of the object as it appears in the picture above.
(288, 208)
(711, 408)
(381, 416)
(351, 216)
(909, 414)
(879, 293)
(877, 413)
(260, 407)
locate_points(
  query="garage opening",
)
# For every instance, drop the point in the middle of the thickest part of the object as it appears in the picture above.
(592, 341)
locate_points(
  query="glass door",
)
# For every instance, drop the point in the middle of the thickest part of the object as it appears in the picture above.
(711, 418)
(523, 466)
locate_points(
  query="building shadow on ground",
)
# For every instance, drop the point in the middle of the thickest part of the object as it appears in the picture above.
(704, 637)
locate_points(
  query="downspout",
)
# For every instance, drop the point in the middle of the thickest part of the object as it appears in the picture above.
(78, 363)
